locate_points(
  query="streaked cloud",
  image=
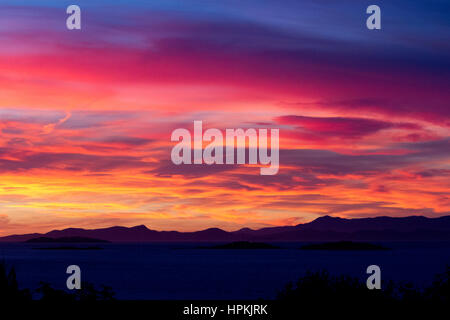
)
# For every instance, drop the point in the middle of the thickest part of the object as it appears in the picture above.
(86, 117)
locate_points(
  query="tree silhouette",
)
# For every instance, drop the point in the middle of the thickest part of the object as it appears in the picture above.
(9, 287)
(319, 287)
(323, 292)
(49, 294)
(439, 291)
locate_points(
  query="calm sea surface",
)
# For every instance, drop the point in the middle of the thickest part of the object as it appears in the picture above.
(182, 271)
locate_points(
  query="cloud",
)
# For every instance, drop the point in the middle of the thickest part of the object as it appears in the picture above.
(50, 127)
(247, 57)
(364, 130)
(4, 221)
(166, 169)
(69, 162)
(434, 173)
(325, 161)
(341, 127)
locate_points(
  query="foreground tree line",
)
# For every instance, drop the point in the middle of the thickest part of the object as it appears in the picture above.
(311, 289)
(10, 291)
(321, 290)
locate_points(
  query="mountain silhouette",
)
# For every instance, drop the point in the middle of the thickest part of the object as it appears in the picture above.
(326, 228)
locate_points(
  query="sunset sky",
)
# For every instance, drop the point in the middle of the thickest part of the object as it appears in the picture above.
(86, 115)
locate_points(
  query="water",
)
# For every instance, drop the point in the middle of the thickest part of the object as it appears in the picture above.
(182, 271)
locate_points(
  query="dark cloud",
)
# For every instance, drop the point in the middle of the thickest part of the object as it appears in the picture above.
(126, 140)
(70, 161)
(92, 119)
(434, 173)
(329, 162)
(306, 168)
(167, 169)
(331, 127)
(12, 130)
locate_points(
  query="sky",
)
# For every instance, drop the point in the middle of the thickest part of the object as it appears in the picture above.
(86, 115)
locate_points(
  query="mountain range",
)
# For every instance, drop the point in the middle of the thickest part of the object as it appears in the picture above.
(326, 228)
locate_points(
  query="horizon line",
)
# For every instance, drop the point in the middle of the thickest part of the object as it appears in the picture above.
(231, 231)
